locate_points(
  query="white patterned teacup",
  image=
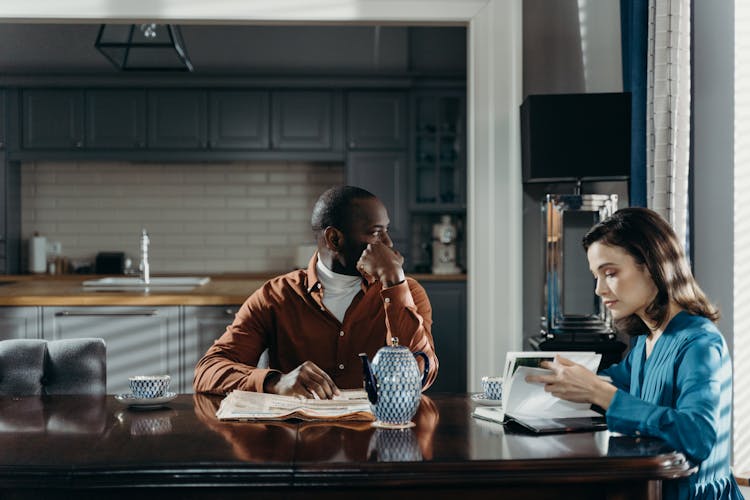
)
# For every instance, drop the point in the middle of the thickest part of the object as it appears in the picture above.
(493, 388)
(149, 386)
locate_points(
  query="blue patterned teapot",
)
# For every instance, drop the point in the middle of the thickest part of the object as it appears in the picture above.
(394, 383)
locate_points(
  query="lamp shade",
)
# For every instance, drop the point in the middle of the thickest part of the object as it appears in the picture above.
(143, 47)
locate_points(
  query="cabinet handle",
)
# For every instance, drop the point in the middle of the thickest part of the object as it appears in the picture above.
(229, 311)
(79, 144)
(142, 312)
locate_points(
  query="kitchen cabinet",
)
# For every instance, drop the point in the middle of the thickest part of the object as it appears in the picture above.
(52, 119)
(438, 158)
(3, 120)
(448, 300)
(376, 120)
(10, 215)
(20, 323)
(302, 120)
(140, 340)
(177, 119)
(201, 325)
(384, 174)
(115, 119)
(239, 119)
(376, 157)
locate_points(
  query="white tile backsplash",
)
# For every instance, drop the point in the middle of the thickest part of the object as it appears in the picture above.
(201, 217)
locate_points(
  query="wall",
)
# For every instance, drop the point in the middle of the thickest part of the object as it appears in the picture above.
(228, 217)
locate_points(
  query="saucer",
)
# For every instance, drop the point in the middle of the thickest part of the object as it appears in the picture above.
(482, 400)
(145, 403)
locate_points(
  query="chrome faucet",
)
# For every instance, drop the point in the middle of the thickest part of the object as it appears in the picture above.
(144, 266)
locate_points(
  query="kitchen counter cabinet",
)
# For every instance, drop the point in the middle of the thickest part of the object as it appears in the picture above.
(200, 326)
(448, 300)
(20, 323)
(140, 340)
(168, 332)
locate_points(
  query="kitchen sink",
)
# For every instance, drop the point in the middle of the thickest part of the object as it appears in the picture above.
(167, 283)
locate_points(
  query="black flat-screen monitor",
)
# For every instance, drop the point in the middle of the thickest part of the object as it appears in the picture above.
(567, 137)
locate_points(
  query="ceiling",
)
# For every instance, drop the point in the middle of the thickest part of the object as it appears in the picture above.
(34, 49)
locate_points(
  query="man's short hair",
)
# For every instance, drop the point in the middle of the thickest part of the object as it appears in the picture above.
(334, 206)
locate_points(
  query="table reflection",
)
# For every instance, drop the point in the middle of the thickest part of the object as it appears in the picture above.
(359, 441)
(330, 441)
(250, 441)
(39, 414)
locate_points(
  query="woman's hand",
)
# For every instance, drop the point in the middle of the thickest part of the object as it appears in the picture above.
(574, 382)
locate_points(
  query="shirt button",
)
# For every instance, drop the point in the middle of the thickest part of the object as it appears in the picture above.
(387, 300)
(341, 333)
(341, 367)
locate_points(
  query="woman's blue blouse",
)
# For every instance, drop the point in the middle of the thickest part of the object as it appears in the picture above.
(681, 394)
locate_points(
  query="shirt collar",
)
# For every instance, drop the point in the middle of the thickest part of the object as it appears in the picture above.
(313, 281)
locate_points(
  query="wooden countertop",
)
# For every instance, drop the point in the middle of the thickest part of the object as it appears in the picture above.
(67, 290)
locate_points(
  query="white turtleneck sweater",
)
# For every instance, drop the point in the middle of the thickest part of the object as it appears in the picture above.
(338, 290)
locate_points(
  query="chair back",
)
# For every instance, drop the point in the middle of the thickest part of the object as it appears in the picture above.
(34, 367)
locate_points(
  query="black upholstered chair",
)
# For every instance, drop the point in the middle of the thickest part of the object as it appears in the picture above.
(33, 367)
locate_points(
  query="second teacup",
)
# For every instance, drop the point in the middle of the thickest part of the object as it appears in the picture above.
(149, 386)
(493, 387)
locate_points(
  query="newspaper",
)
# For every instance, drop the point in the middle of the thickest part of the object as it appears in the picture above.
(351, 405)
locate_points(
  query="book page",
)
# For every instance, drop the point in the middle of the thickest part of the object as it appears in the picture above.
(530, 399)
(521, 398)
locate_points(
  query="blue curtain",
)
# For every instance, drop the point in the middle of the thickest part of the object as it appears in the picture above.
(634, 34)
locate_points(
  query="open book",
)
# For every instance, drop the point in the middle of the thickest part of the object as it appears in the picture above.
(529, 405)
(246, 405)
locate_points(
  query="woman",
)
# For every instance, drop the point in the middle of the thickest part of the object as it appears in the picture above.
(676, 382)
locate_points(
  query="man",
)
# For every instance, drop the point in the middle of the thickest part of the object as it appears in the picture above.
(352, 298)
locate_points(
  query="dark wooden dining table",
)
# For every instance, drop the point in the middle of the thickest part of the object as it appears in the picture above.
(94, 447)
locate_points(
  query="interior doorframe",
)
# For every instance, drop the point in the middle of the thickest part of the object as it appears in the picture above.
(494, 94)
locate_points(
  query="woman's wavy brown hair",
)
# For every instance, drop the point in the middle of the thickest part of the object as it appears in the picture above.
(652, 242)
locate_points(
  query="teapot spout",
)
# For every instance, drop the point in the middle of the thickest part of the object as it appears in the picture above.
(369, 377)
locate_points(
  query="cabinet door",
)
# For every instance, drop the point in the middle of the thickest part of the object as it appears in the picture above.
(376, 120)
(52, 119)
(439, 151)
(140, 340)
(384, 175)
(302, 120)
(19, 323)
(116, 119)
(239, 119)
(448, 300)
(201, 326)
(3, 120)
(177, 119)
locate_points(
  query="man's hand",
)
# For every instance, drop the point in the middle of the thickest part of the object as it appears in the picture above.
(383, 263)
(574, 382)
(308, 380)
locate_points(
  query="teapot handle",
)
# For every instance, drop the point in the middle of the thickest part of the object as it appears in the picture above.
(426, 365)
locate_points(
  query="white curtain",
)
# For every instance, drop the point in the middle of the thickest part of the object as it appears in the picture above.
(668, 111)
